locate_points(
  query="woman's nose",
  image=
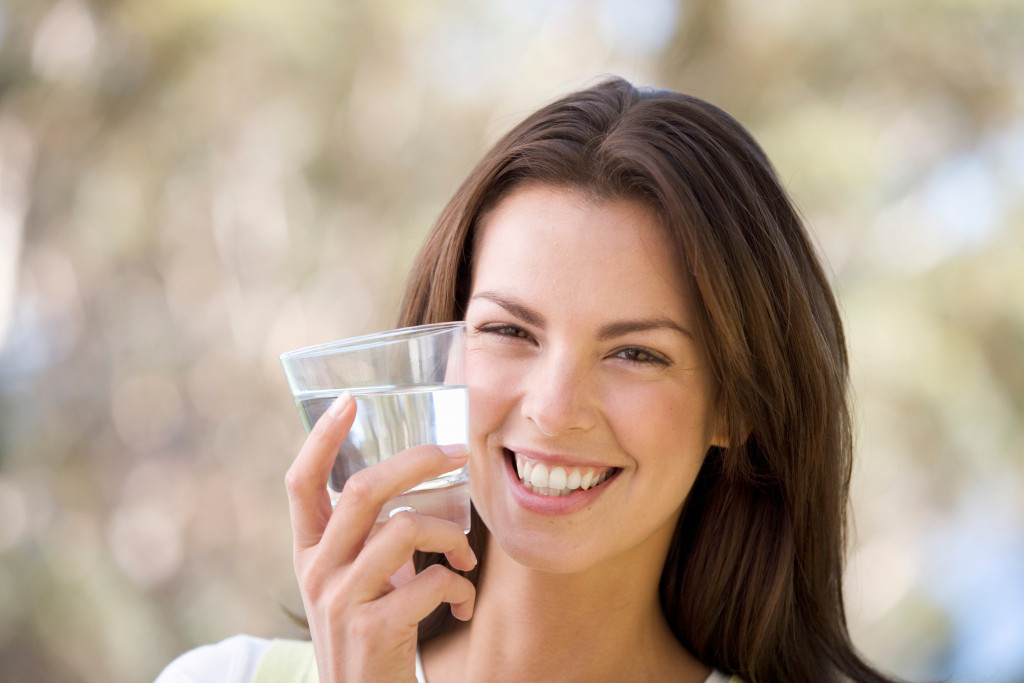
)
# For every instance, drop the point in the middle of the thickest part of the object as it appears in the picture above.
(558, 396)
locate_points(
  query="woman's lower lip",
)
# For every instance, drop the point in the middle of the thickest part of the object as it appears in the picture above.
(549, 505)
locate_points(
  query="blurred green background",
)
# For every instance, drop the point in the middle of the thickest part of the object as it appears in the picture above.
(190, 187)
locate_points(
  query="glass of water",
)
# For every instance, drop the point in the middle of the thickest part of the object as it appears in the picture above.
(409, 390)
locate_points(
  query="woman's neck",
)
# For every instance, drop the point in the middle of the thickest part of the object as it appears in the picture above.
(602, 624)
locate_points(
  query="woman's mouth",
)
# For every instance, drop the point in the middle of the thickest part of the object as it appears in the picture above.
(557, 480)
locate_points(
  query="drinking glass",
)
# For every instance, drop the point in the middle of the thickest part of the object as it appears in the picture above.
(409, 390)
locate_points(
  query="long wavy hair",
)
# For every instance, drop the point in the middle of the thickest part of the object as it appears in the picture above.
(752, 583)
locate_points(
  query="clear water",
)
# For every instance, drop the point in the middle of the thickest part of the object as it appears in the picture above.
(390, 420)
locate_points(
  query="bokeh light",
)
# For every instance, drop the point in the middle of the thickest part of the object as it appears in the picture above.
(190, 187)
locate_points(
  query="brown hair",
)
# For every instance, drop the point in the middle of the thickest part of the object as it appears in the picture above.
(752, 583)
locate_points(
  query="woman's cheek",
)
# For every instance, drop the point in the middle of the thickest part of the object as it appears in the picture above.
(491, 381)
(652, 417)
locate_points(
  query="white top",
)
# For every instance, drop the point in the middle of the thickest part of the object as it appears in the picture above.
(235, 659)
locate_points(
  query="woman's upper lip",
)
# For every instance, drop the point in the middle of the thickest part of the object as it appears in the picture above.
(562, 459)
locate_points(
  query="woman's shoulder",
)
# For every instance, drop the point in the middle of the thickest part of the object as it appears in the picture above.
(232, 660)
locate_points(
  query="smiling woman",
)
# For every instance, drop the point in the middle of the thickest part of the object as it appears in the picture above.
(659, 435)
(722, 428)
(583, 370)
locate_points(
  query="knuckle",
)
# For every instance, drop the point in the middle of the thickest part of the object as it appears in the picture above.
(335, 594)
(437, 575)
(366, 625)
(360, 488)
(358, 630)
(404, 527)
(331, 591)
(292, 480)
(443, 581)
(311, 582)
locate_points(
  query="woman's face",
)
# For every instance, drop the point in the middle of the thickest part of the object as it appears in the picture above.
(589, 394)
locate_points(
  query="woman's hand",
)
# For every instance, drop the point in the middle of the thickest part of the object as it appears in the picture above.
(364, 624)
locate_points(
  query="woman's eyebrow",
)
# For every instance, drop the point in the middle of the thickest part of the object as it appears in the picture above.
(625, 327)
(609, 331)
(513, 306)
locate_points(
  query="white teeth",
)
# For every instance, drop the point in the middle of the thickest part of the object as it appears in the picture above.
(539, 478)
(557, 478)
(558, 481)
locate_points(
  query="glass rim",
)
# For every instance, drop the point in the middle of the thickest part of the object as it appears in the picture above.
(352, 343)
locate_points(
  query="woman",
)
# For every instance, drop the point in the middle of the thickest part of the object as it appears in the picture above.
(660, 446)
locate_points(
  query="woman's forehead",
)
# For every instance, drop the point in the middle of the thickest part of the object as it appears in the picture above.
(548, 206)
(542, 238)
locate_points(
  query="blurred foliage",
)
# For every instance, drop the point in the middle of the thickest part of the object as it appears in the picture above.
(190, 187)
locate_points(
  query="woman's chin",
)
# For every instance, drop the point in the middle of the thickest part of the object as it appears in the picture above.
(537, 552)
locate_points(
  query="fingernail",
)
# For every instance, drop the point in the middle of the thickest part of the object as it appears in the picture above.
(339, 405)
(455, 451)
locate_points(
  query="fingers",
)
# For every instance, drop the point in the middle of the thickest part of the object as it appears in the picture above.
(366, 492)
(416, 599)
(306, 480)
(389, 550)
(405, 574)
(377, 640)
(354, 584)
(384, 564)
(366, 594)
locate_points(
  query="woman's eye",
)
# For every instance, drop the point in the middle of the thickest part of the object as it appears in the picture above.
(641, 356)
(505, 331)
